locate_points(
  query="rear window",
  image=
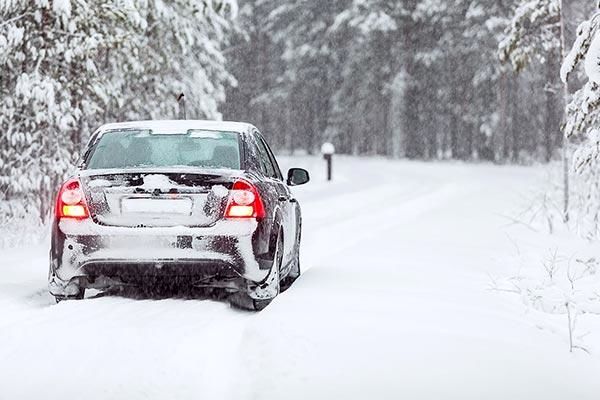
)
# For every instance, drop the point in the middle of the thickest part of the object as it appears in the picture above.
(194, 148)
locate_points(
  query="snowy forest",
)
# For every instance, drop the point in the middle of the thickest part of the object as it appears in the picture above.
(417, 79)
(447, 249)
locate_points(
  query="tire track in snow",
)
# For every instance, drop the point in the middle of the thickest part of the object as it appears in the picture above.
(115, 347)
(366, 225)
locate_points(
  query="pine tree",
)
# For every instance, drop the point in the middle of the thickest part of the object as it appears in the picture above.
(49, 85)
(175, 47)
(533, 36)
(583, 112)
(583, 116)
(68, 66)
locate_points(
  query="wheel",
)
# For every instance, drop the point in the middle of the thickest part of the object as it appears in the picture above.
(243, 301)
(79, 296)
(289, 280)
(259, 305)
(266, 291)
(295, 272)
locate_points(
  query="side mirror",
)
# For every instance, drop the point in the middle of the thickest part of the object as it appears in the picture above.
(297, 176)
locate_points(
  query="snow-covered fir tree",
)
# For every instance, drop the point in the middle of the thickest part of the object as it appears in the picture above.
(583, 113)
(533, 33)
(417, 78)
(533, 36)
(50, 86)
(175, 47)
(68, 66)
(583, 121)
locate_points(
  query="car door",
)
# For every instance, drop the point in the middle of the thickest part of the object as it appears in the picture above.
(286, 201)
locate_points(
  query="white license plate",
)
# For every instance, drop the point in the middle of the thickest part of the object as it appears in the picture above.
(157, 206)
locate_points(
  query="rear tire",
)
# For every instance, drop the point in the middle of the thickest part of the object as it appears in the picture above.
(79, 296)
(244, 301)
(294, 273)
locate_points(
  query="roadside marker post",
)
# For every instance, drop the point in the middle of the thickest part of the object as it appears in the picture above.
(327, 149)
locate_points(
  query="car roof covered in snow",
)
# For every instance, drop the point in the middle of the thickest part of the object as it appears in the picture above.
(178, 126)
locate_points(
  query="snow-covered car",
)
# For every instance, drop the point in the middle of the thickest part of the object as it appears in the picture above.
(195, 203)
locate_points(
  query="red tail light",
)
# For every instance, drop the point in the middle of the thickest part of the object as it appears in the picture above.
(71, 201)
(244, 201)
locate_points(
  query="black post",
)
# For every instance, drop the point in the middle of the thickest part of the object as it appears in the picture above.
(181, 101)
(328, 158)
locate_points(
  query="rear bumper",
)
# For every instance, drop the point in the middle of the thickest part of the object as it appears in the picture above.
(91, 255)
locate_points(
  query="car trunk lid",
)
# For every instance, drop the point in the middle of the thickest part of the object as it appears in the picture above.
(157, 198)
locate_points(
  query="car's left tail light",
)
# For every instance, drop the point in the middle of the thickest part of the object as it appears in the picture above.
(71, 201)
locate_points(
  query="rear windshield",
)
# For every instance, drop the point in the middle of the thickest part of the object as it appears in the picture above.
(195, 148)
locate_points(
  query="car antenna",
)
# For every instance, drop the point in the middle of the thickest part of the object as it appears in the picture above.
(181, 101)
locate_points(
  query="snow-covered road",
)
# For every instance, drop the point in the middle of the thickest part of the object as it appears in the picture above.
(394, 303)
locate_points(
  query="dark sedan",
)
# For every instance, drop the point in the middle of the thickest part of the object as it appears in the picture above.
(195, 203)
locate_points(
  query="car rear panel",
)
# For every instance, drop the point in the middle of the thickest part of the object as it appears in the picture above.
(156, 198)
(87, 249)
(155, 223)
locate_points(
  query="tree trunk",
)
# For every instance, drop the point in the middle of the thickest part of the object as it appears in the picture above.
(565, 143)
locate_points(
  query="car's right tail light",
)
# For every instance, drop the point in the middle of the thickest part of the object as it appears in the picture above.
(71, 201)
(244, 202)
